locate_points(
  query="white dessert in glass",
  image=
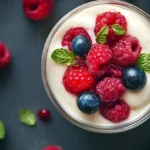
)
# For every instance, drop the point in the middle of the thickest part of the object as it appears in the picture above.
(52, 73)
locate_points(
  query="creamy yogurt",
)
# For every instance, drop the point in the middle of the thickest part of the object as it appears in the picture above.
(138, 26)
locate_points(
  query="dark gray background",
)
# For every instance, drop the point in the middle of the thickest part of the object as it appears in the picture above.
(21, 87)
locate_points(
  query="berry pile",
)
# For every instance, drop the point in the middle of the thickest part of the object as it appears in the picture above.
(100, 73)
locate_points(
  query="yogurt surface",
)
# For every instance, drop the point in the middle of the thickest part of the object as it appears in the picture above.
(138, 26)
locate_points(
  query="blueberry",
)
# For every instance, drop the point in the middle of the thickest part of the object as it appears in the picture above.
(88, 102)
(80, 45)
(134, 78)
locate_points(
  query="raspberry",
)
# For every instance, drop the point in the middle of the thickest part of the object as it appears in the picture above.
(81, 60)
(126, 51)
(5, 55)
(73, 32)
(98, 59)
(110, 89)
(92, 88)
(116, 111)
(114, 71)
(110, 18)
(38, 9)
(44, 114)
(77, 79)
(96, 81)
(52, 147)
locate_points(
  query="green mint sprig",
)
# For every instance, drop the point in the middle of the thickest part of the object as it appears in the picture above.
(144, 62)
(63, 56)
(118, 30)
(26, 116)
(101, 36)
(2, 130)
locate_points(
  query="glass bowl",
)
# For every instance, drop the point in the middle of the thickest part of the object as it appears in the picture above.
(98, 129)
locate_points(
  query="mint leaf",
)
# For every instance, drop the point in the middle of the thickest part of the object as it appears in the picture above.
(101, 36)
(118, 30)
(63, 56)
(27, 117)
(144, 62)
(2, 130)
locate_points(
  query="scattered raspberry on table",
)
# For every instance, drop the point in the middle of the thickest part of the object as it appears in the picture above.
(44, 114)
(5, 56)
(38, 9)
(52, 147)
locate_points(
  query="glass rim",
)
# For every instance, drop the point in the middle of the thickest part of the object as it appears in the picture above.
(117, 128)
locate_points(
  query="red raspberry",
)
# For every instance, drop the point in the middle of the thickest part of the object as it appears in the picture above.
(126, 51)
(5, 55)
(38, 9)
(73, 32)
(44, 114)
(77, 79)
(52, 147)
(92, 88)
(96, 81)
(110, 18)
(81, 60)
(114, 71)
(116, 111)
(98, 59)
(110, 89)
